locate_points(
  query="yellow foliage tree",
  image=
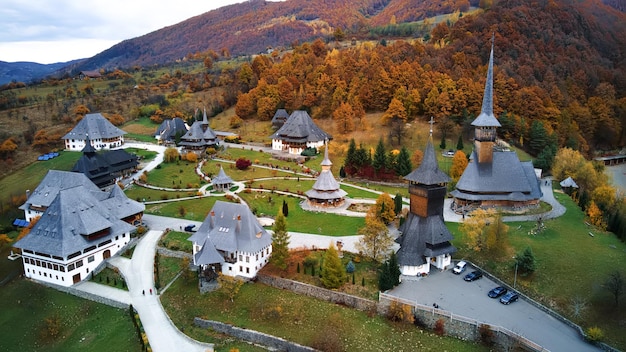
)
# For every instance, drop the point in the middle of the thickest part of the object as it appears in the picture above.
(474, 228)
(4, 239)
(344, 118)
(595, 215)
(385, 208)
(171, 155)
(417, 157)
(191, 157)
(459, 163)
(375, 240)
(229, 285)
(604, 197)
(395, 111)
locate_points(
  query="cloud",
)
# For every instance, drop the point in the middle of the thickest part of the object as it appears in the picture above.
(29, 25)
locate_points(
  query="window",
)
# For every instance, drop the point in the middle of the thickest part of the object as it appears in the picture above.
(257, 257)
(62, 269)
(247, 259)
(70, 267)
(117, 238)
(240, 268)
(56, 267)
(90, 259)
(123, 235)
(49, 265)
(240, 258)
(247, 270)
(79, 263)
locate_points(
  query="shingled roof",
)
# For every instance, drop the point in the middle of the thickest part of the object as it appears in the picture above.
(506, 178)
(221, 178)
(95, 126)
(326, 186)
(279, 118)
(423, 237)
(200, 134)
(232, 227)
(168, 129)
(103, 169)
(54, 182)
(74, 214)
(486, 117)
(300, 128)
(428, 172)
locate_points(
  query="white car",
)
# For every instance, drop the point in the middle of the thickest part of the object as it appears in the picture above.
(459, 267)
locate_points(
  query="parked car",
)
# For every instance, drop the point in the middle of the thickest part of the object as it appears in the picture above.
(509, 297)
(474, 275)
(497, 292)
(459, 267)
(190, 228)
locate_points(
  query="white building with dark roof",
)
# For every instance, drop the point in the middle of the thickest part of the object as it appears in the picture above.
(222, 182)
(425, 239)
(199, 137)
(326, 191)
(231, 241)
(79, 229)
(298, 133)
(494, 177)
(101, 133)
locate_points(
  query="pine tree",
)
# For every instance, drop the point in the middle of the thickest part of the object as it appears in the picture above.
(342, 172)
(459, 143)
(280, 242)
(351, 156)
(403, 163)
(333, 272)
(442, 145)
(285, 208)
(526, 261)
(380, 157)
(394, 269)
(397, 201)
(384, 278)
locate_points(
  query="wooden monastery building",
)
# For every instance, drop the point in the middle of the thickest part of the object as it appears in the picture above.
(169, 130)
(425, 239)
(298, 133)
(80, 226)
(102, 134)
(106, 168)
(199, 137)
(494, 177)
(231, 241)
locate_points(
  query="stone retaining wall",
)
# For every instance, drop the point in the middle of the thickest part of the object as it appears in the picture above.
(252, 336)
(86, 295)
(170, 253)
(319, 293)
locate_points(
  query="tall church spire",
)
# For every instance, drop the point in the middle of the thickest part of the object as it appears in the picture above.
(486, 117)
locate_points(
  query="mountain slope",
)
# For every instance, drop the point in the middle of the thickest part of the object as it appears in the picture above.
(27, 71)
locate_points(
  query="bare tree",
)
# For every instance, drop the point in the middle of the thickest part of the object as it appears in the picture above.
(578, 306)
(615, 285)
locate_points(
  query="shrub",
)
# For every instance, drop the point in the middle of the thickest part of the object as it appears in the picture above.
(309, 152)
(594, 334)
(242, 163)
(486, 335)
(440, 327)
(350, 267)
(311, 261)
(400, 312)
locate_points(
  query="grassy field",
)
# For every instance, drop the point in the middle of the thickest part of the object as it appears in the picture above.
(212, 167)
(195, 209)
(82, 325)
(300, 220)
(111, 278)
(180, 174)
(169, 267)
(391, 190)
(176, 241)
(300, 319)
(570, 264)
(267, 159)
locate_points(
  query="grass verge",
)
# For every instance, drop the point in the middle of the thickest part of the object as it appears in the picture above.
(37, 318)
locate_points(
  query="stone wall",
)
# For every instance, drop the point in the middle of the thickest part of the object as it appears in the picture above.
(170, 253)
(319, 293)
(252, 336)
(86, 295)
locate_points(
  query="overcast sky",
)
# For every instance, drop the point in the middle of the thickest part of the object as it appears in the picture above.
(49, 31)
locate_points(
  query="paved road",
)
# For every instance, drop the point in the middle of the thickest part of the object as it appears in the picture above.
(469, 299)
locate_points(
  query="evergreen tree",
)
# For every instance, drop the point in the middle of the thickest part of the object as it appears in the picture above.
(333, 272)
(442, 145)
(280, 242)
(351, 155)
(285, 208)
(362, 157)
(459, 143)
(380, 158)
(384, 278)
(546, 157)
(342, 172)
(538, 138)
(403, 163)
(526, 261)
(397, 202)
(394, 269)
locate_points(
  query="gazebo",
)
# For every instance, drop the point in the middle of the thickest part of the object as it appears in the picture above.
(222, 182)
(326, 191)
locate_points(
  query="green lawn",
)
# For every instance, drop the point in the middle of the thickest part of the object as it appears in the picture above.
(570, 263)
(141, 194)
(264, 203)
(212, 167)
(176, 241)
(301, 319)
(169, 267)
(195, 209)
(266, 159)
(84, 325)
(143, 154)
(180, 174)
(391, 190)
(111, 278)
